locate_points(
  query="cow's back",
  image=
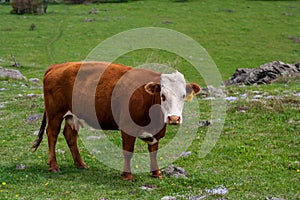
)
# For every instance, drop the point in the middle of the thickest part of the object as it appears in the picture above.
(86, 90)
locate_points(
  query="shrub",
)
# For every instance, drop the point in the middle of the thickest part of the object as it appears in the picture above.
(29, 6)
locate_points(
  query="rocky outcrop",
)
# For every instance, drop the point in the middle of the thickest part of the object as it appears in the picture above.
(11, 74)
(265, 74)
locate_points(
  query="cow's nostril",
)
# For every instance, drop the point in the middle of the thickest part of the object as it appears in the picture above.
(173, 119)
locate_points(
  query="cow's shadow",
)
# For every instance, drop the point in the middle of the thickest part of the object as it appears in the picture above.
(96, 174)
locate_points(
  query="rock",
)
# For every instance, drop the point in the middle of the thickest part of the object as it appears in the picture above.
(295, 39)
(89, 20)
(297, 94)
(59, 151)
(167, 22)
(220, 190)
(173, 171)
(94, 11)
(11, 74)
(36, 133)
(274, 198)
(204, 123)
(34, 80)
(230, 98)
(200, 197)
(20, 167)
(258, 96)
(168, 198)
(212, 91)
(265, 74)
(35, 117)
(93, 137)
(32, 95)
(148, 187)
(185, 154)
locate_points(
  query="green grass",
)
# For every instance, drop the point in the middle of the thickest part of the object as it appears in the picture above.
(235, 33)
(255, 156)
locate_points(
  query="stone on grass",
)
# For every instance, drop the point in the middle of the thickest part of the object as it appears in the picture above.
(213, 91)
(34, 117)
(204, 123)
(148, 187)
(168, 198)
(220, 190)
(265, 74)
(20, 166)
(34, 80)
(274, 198)
(185, 154)
(176, 172)
(11, 74)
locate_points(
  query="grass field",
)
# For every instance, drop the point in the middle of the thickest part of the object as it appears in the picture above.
(257, 154)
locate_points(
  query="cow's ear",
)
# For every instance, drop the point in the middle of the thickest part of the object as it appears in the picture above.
(152, 88)
(191, 90)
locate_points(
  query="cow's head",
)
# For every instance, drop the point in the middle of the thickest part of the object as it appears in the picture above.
(173, 91)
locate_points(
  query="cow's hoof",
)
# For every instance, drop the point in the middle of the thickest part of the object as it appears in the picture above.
(82, 166)
(127, 176)
(54, 169)
(157, 174)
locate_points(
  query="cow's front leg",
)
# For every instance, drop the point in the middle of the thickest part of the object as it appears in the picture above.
(128, 148)
(156, 173)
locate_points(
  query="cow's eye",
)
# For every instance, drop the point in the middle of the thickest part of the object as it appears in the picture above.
(163, 97)
(183, 96)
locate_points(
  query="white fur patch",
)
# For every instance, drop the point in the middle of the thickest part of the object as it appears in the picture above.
(173, 88)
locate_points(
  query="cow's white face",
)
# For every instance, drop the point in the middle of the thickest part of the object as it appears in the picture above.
(173, 94)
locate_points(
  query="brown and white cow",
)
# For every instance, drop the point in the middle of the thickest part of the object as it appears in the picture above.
(110, 96)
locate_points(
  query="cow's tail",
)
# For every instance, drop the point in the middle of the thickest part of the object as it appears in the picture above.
(38, 141)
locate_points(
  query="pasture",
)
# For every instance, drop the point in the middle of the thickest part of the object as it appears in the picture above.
(257, 154)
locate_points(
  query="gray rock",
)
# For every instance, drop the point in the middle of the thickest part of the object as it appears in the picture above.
(173, 171)
(35, 117)
(168, 198)
(34, 80)
(274, 198)
(220, 190)
(94, 11)
(20, 166)
(11, 74)
(93, 137)
(148, 187)
(33, 95)
(204, 123)
(213, 91)
(185, 154)
(265, 74)
(230, 98)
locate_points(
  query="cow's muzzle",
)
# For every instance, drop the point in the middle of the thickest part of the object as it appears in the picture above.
(173, 120)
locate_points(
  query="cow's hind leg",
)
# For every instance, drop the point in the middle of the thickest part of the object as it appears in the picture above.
(156, 173)
(71, 138)
(52, 130)
(128, 148)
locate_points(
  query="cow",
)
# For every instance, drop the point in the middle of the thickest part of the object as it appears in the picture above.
(138, 102)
